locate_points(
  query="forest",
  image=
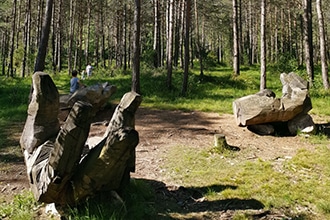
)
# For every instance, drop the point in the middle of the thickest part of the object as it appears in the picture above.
(113, 34)
(189, 59)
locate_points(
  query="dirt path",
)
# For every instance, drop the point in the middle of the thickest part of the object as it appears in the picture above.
(160, 130)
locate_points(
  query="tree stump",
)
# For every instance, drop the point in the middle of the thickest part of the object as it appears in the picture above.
(220, 141)
(221, 144)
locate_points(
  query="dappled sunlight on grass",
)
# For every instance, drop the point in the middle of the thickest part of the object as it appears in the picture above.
(302, 181)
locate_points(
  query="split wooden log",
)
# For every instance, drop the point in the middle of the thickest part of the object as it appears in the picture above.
(53, 155)
(261, 108)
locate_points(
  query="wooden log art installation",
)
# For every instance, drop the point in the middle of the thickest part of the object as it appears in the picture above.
(57, 171)
(263, 107)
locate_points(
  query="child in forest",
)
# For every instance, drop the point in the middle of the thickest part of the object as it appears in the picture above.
(89, 69)
(75, 83)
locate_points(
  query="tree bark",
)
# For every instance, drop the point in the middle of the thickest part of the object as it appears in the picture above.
(186, 46)
(169, 47)
(41, 57)
(71, 34)
(323, 50)
(308, 39)
(26, 37)
(177, 35)
(198, 43)
(263, 51)
(12, 40)
(157, 34)
(235, 39)
(88, 32)
(136, 48)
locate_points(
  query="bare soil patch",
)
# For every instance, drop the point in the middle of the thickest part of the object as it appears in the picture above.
(159, 131)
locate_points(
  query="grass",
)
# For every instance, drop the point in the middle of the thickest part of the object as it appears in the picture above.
(22, 207)
(302, 184)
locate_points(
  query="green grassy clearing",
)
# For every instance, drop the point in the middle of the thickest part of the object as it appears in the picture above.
(300, 190)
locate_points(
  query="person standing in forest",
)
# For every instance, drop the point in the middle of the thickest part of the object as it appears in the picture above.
(89, 69)
(75, 83)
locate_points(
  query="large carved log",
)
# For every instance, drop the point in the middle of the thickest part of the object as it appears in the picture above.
(97, 94)
(53, 155)
(263, 108)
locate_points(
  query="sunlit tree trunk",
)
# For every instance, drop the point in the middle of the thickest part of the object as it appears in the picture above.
(80, 34)
(41, 57)
(236, 55)
(186, 46)
(4, 49)
(136, 48)
(59, 41)
(263, 46)
(125, 21)
(308, 39)
(39, 21)
(71, 34)
(88, 32)
(102, 35)
(249, 34)
(198, 43)
(323, 49)
(26, 36)
(169, 47)
(177, 35)
(157, 34)
(12, 39)
(182, 32)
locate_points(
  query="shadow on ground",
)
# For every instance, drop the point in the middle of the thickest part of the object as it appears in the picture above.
(323, 129)
(173, 202)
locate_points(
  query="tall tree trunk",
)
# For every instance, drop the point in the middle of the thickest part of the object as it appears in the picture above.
(4, 49)
(177, 35)
(186, 46)
(71, 34)
(323, 49)
(136, 48)
(308, 40)
(240, 33)
(250, 33)
(169, 59)
(97, 37)
(80, 31)
(125, 21)
(39, 21)
(182, 32)
(12, 39)
(41, 57)
(198, 43)
(236, 66)
(26, 35)
(157, 34)
(118, 38)
(88, 31)
(102, 46)
(54, 27)
(59, 37)
(263, 46)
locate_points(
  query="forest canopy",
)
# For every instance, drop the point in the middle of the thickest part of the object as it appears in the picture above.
(285, 34)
